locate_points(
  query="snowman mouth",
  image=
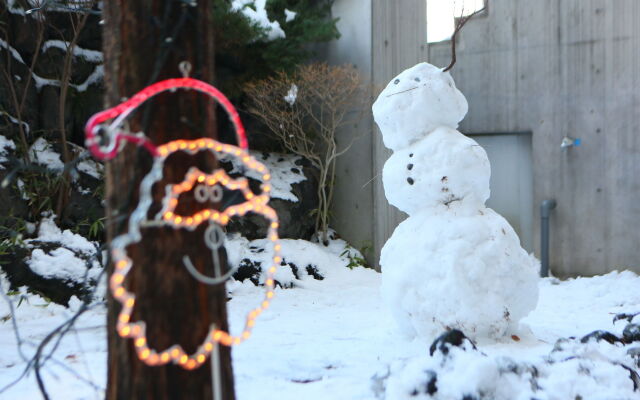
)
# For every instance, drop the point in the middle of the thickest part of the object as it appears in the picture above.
(403, 91)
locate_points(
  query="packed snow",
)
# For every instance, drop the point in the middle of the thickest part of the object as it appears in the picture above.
(71, 258)
(292, 95)
(284, 169)
(289, 15)
(15, 120)
(86, 54)
(416, 102)
(256, 12)
(467, 269)
(44, 154)
(48, 231)
(443, 168)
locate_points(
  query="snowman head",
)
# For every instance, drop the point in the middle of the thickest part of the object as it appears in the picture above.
(416, 102)
(445, 168)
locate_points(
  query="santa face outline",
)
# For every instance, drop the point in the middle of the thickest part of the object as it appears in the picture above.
(256, 203)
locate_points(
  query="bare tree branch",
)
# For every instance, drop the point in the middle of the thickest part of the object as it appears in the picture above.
(307, 123)
(460, 22)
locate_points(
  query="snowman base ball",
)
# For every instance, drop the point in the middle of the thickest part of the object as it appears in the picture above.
(458, 267)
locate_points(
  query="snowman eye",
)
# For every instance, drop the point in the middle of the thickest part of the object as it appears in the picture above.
(396, 81)
(417, 79)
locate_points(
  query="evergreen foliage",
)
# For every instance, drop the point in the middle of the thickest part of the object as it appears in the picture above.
(243, 51)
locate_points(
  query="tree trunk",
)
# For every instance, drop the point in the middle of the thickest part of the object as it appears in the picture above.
(144, 41)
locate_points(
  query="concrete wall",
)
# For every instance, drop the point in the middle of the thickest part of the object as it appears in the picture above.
(382, 38)
(399, 42)
(556, 68)
(353, 198)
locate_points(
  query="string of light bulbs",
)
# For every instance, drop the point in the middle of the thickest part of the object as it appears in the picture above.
(206, 186)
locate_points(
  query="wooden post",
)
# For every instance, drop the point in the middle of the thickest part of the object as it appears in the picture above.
(144, 42)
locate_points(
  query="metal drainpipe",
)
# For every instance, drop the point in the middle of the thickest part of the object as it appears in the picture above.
(545, 211)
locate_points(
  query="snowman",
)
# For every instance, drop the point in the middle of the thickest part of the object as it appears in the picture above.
(454, 263)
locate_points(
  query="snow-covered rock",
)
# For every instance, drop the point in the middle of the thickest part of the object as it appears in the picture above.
(573, 370)
(415, 103)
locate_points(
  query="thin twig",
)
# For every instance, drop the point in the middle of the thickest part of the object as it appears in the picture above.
(459, 24)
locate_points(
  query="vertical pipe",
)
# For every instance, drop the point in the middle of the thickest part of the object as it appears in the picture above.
(545, 211)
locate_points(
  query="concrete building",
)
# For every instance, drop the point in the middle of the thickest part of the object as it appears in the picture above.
(534, 73)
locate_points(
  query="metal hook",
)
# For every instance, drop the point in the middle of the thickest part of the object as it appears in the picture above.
(185, 68)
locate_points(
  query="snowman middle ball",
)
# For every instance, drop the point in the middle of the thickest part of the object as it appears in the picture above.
(440, 169)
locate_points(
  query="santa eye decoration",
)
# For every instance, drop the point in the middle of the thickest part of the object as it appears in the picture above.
(208, 189)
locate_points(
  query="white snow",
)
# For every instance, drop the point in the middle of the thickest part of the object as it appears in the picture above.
(326, 340)
(95, 77)
(466, 271)
(416, 102)
(14, 52)
(66, 262)
(61, 263)
(42, 82)
(256, 12)
(44, 154)
(6, 145)
(444, 167)
(91, 167)
(49, 232)
(86, 54)
(11, 7)
(16, 121)
(292, 95)
(327, 260)
(89, 55)
(289, 15)
(282, 168)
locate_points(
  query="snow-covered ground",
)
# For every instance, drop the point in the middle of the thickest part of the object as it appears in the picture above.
(328, 339)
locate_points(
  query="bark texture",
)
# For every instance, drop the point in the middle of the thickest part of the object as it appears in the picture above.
(144, 41)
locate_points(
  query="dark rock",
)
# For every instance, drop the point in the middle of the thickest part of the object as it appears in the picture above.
(295, 218)
(625, 316)
(633, 375)
(58, 290)
(248, 270)
(452, 338)
(600, 335)
(631, 333)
